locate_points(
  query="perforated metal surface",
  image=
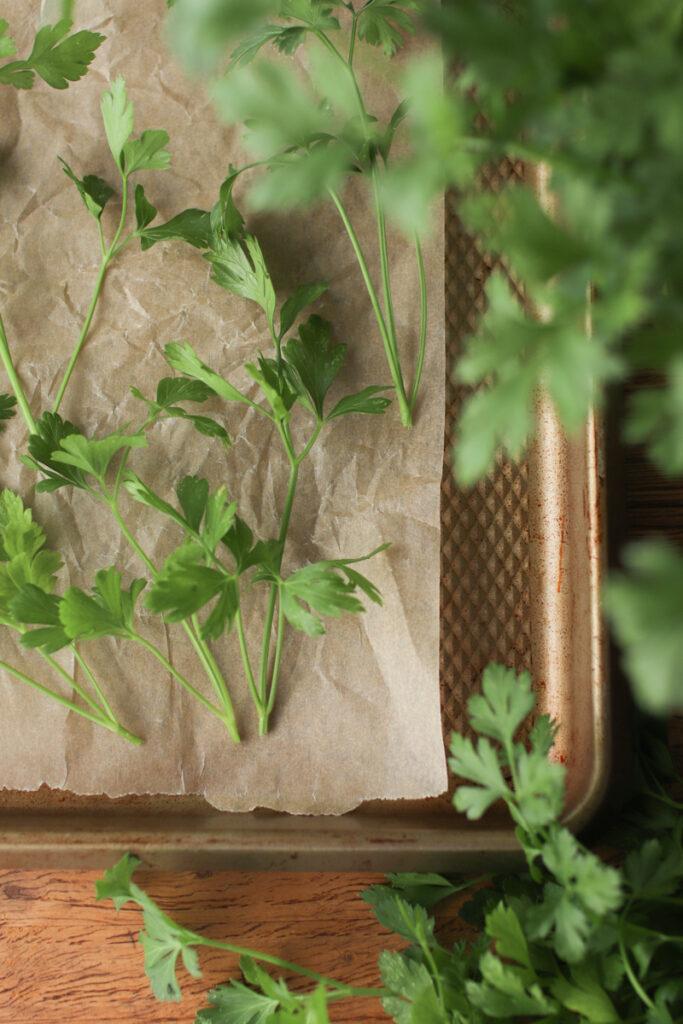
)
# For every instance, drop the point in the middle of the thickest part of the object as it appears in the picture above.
(485, 538)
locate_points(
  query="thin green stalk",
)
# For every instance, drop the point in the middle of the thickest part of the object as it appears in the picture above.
(93, 681)
(179, 678)
(352, 39)
(389, 348)
(267, 694)
(270, 612)
(13, 378)
(72, 684)
(384, 261)
(277, 659)
(286, 965)
(106, 723)
(246, 660)
(422, 342)
(635, 983)
(107, 256)
(200, 647)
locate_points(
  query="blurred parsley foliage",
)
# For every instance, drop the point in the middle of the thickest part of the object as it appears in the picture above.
(573, 940)
(590, 93)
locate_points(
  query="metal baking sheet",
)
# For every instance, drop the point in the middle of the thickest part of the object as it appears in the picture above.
(523, 554)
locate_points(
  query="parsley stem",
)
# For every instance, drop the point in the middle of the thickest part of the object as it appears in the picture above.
(246, 661)
(93, 681)
(352, 39)
(65, 702)
(276, 668)
(422, 342)
(389, 347)
(13, 378)
(272, 599)
(201, 649)
(286, 965)
(630, 974)
(178, 676)
(107, 256)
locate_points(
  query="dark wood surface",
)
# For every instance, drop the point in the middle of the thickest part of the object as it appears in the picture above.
(65, 959)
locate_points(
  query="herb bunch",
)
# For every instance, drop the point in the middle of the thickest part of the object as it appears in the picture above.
(572, 939)
(313, 131)
(298, 376)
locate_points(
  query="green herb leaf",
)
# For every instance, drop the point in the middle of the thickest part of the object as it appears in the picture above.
(109, 611)
(191, 226)
(505, 992)
(7, 409)
(93, 456)
(304, 296)
(31, 605)
(144, 211)
(7, 45)
(287, 39)
(236, 1004)
(147, 153)
(52, 430)
(193, 495)
(386, 23)
(644, 605)
(24, 559)
(94, 192)
(397, 915)
(182, 590)
(182, 357)
(365, 401)
(59, 58)
(117, 116)
(315, 360)
(239, 267)
(505, 701)
(424, 888)
(146, 496)
(480, 765)
(275, 386)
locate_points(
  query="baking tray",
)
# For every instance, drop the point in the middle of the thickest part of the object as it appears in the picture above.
(523, 554)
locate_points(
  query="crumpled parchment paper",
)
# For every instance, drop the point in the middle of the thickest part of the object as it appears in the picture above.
(358, 709)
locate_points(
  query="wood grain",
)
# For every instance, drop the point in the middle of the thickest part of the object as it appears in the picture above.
(68, 960)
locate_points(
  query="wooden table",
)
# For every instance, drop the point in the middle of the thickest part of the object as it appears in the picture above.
(65, 959)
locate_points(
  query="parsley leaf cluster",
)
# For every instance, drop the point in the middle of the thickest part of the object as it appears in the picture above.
(573, 939)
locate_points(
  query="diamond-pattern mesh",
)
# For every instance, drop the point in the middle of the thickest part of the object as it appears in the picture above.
(485, 542)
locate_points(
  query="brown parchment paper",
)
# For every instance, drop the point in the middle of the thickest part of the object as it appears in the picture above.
(358, 710)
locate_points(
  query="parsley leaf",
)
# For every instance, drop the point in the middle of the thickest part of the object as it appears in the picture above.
(93, 456)
(117, 116)
(7, 409)
(57, 56)
(314, 361)
(94, 192)
(304, 296)
(191, 226)
(367, 401)
(108, 611)
(183, 358)
(385, 23)
(236, 1004)
(147, 153)
(644, 605)
(24, 559)
(33, 606)
(52, 430)
(238, 265)
(162, 939)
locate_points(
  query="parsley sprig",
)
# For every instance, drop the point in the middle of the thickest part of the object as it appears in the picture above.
(573, 939)
(314, 132)
(27, 583)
